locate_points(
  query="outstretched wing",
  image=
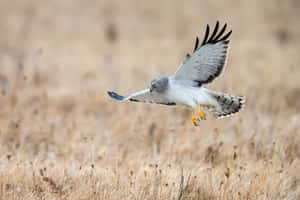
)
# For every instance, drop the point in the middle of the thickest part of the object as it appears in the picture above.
(207, 61)
(143, 96)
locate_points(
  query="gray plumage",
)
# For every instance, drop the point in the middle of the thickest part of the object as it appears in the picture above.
(159, 84)
(204, 65)
(229, 104)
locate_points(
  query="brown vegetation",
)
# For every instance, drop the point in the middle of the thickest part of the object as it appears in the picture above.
(61, 137)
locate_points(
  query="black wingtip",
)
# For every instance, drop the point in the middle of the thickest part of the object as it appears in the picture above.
(115, 96)
(206, 35)
(196, 44)
(226, 36)
(216, 37)
(214, 33)
(221, 32)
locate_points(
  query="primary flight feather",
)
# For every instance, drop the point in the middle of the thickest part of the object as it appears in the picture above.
(185, 86)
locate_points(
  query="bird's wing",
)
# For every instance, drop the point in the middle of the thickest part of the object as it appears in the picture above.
(143, 96)
(207, 61)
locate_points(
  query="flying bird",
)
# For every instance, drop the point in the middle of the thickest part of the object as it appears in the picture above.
(184, 87)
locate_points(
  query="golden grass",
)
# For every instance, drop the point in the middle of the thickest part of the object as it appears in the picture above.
(61, 137)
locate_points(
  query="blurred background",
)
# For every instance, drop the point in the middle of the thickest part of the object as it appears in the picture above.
(61, 135)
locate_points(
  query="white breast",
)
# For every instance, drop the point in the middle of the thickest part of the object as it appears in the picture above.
(188, 95)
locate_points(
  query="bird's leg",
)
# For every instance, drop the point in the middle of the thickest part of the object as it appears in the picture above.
(201, 114)
(195, 120)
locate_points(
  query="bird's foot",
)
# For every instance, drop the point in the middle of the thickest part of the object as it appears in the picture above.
(195, 120)
(201, 114)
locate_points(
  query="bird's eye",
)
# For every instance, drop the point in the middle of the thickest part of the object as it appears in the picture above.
(154, 85)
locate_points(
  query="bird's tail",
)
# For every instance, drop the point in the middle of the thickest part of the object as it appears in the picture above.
(227, 104)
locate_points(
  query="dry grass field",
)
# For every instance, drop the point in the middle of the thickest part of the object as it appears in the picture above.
(62, 137)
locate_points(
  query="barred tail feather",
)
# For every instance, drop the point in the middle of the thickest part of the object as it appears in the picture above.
(228, 104)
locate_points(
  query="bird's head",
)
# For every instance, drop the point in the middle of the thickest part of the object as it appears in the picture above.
(159, 84)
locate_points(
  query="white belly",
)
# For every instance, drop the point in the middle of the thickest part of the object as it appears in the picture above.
(190, 96)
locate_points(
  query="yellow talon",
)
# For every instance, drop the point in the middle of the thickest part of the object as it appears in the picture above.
(195, 120)
(201, 114)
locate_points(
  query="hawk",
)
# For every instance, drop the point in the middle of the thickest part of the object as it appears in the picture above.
(184, 87)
